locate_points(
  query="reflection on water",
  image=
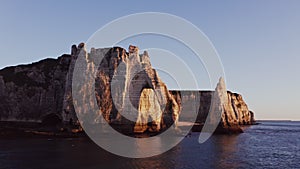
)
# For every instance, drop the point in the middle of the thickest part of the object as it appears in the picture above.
(263, 146)
(226, 146)
(154, 146)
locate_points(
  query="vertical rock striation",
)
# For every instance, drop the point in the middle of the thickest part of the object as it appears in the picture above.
(31, 92)
(127, 89)
(149, 112)
(122, 82)
(225, 105)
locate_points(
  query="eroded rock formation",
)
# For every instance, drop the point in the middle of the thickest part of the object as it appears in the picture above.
(31, 92)
(128, 91)
(149, 112)
(225, 105)
(35, 91)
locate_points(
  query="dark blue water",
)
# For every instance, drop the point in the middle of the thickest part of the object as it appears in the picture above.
(268, 145)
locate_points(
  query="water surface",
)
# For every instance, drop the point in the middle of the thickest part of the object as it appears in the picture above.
(268, 145)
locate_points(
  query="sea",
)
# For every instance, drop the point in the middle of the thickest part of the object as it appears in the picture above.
(271, 144)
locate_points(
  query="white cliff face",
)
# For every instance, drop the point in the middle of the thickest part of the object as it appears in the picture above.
(149, 112)
(120, 80)
(242, 115)
(224, 106)
(31, 92)
(219, 103)
(227, 108)
(233, 109)
(68, 108)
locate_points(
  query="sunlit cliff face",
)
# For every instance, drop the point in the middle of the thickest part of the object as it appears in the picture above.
(127, 91)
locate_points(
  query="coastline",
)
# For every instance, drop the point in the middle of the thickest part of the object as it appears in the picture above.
(11, 129)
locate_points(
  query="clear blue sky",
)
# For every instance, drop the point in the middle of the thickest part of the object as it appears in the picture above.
(258, 41)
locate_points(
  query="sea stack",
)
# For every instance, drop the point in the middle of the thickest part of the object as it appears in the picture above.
(43, 90)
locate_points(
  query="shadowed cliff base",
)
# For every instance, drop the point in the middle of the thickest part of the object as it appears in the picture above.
(38, 130)
(41, 95)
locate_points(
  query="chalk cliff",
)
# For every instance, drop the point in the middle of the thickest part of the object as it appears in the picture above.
(231, 108)
(43, 90)
(127, 90)
(31, 92)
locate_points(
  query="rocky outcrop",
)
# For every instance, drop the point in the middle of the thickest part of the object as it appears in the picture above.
(128, 91)
(225, 105)
(41, 90)
(31, 92)
(149, 112)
